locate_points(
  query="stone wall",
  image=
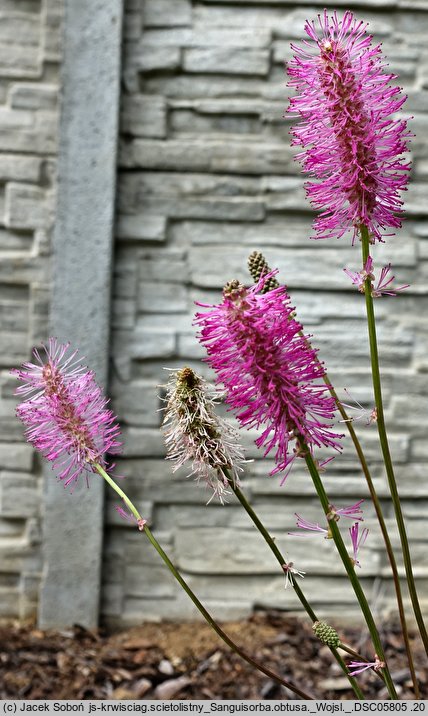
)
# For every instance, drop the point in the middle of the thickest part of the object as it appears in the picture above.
(206, 175)
(29, 84)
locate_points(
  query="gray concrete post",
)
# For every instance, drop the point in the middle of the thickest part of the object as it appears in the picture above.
(80, 309)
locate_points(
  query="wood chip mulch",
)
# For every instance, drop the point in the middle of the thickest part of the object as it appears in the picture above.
(188, 661)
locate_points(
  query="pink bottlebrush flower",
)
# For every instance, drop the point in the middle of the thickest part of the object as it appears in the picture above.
(352, 146)
(290, 572)
(352, 511)
(310, 527)
(271, 374)
(65, 414)
(357, 540)
(195, 433)
(382, 287)
(356, 667)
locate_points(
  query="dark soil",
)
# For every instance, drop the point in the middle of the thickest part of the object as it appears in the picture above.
(188, 661)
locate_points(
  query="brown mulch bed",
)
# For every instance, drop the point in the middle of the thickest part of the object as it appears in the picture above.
(188, 661)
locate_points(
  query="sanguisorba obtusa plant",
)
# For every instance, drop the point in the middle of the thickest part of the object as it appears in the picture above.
(271, 377)
(354, 148)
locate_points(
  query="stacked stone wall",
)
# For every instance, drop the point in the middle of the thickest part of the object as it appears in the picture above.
(206, 175)
(29, 87)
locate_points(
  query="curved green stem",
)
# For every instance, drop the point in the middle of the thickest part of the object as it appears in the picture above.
(281, 560)
(377, 388)
(207, 616)
(349, 566)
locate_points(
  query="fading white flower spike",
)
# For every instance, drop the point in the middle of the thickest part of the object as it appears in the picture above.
(194, 433)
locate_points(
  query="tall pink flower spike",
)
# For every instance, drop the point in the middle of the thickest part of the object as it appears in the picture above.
(352, 146)
(271, 375)
(65, 413)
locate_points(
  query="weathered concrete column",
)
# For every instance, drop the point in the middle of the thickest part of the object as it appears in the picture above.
(80, 308)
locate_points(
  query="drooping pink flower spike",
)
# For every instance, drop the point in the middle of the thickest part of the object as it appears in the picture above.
(309, 527)
(352, 511)
(383, 286)
(358, 541)
(356, 667)
(271, 375)
(351, 145)
(65, 413)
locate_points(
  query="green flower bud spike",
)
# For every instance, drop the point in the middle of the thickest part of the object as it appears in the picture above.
(258, 266)
(326, 634)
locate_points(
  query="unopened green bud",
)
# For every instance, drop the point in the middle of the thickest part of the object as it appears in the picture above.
(326, 634)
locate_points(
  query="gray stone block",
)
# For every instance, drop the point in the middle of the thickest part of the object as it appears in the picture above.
(144, 116)
(139, 442)
(141, 227)
(19, 495)
(28, 207)
(240, 61)
(17, 168)
(31, 96)
(149, 57)
(207, 154)
(162, 297)
(16, 456)
(157, 13)
(166, 265)
(136, 403)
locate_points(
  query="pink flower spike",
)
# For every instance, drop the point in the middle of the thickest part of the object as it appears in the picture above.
(272, 378)
(351, 145)
(353, 512)
(310, 527)
(356, 667)
(381, 288)
(66, 414)
(358, 541)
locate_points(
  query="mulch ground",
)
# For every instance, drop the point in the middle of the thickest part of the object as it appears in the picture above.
(188, 661)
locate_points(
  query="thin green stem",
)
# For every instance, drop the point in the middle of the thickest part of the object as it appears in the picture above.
(207, 616)
(391, 557)
(385, 535)
(281, 560)
(350, 570)
(377, 388)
